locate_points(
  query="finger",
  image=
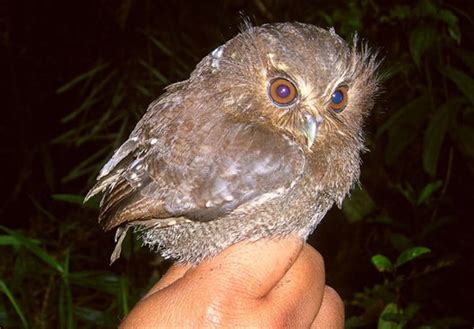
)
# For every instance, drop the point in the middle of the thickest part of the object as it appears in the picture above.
(298, 296)
(144, 315)
(250, 269)
(331, 313)
(173, 274)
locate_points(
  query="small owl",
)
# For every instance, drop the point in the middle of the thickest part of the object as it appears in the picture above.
(260, 141)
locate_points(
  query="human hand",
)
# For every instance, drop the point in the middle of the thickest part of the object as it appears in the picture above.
(265, 284)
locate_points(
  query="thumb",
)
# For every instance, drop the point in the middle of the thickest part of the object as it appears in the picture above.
(254, 267)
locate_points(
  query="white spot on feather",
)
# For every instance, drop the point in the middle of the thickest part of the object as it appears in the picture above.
(136, 164)
(216, 56)
(228, 198)
(153, 141)
(261, 200)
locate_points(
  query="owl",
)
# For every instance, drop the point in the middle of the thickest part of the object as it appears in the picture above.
(260, 142)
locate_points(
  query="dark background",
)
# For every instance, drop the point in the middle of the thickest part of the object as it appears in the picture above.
(77, 75)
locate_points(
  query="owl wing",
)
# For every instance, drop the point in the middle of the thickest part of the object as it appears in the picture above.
(172, 172)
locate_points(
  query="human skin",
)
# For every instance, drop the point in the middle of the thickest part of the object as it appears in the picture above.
(277, 283)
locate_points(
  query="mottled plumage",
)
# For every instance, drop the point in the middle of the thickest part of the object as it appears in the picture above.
(260, 141)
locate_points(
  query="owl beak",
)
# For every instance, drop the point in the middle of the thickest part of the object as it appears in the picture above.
(310, 128)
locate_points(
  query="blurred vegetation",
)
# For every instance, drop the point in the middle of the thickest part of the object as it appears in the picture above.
(80, 74)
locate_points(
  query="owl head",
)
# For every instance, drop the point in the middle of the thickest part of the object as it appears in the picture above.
(303, 80)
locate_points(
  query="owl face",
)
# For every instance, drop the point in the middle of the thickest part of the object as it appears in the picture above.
(305, 81)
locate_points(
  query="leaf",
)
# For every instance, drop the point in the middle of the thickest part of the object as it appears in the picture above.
(400, 241)
(91, 99)
(81, 77)
(66, 288)
(101, 281)
(97, 318)
(408, 192)
(404, 126)
(434, 227)
(358, 205)
(69, 198)
(155, 72)
(464, 82)
(402, 114)
(464, 136)
(35, 249)
(451, 21)
(123, 12)
(409, 313)
(77, 200)
(123, 294)
(448, 17)
(118, 95)
(8, 240)
(387, 324)
(391, 71)
(401, 12)
(421, 39)
(428, 190)
(168, 52)
(161, 46)
(88, 102)
(88, 165)
(382, 263)
(70, 135)
(410, 254)
(426, 8)
(436, 132)
(43, 211)
(14, 303)
(120, 136)
(467, 56)
(385, 219)
(143, 90)
(357, 322)
(455, 33)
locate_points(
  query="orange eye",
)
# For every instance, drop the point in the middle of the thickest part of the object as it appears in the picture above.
(339, 99)
(282, 92)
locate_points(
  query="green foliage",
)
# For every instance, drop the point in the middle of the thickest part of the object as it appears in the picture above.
(57, 275)
(404, 233)
(410, 254)
(14, 303)
(393, 315)
(418, 140)
(384, 264)
(358, 205)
